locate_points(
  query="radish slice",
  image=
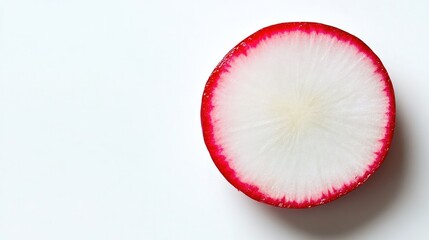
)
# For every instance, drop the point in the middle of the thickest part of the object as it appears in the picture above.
(298, 114)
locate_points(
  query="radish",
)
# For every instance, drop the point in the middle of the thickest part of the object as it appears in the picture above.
(298, 114)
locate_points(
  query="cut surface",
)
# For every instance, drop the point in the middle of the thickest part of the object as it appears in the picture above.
(298, 114)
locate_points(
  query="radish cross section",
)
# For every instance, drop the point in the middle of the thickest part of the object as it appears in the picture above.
(298, 114)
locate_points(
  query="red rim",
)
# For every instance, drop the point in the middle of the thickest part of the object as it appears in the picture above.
(215, 150)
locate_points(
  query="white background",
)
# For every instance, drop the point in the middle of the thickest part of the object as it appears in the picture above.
(100, 133)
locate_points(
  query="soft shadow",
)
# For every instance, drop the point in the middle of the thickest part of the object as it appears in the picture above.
(359, 207)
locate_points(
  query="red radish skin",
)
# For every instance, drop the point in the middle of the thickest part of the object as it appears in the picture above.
(216, 151)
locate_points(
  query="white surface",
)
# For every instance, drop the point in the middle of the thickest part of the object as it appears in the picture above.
(100, 133)
(304, 128)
